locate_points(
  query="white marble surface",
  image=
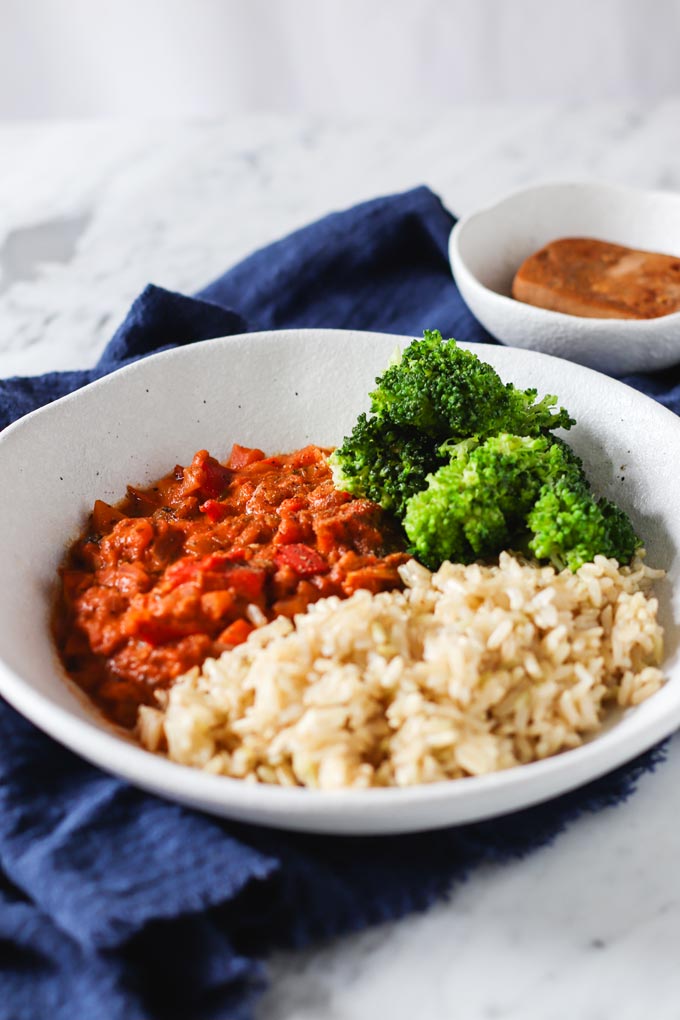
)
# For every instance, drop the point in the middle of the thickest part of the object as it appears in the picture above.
(89, 213)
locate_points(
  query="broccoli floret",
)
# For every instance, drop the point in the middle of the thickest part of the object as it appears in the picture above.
(470, 465)
(515, 492)
(569, 527)
(438, 387)
(524, 417)
(384, 462)
(432, 395)
(477, 505)
(623, 542)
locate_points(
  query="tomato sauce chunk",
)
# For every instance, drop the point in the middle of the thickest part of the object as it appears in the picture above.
(188, 567)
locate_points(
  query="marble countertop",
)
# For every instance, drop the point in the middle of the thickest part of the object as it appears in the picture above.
(91, 212)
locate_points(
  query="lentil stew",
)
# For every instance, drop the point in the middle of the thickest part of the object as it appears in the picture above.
(186, 568)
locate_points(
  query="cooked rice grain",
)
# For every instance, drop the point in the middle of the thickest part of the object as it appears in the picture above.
(469, 670)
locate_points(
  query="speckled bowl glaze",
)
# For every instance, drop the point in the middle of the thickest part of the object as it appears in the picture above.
(280, 391)
(487, 247)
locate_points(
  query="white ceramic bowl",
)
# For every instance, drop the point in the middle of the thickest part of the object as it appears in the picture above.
(280, 391)
(487, 248)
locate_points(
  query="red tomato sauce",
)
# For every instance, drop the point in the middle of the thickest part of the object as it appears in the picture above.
(186, 568)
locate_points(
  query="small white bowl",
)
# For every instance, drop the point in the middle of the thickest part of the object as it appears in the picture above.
(281, 391)
(487, 248)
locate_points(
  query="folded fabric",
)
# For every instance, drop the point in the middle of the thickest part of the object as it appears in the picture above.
(115, 904)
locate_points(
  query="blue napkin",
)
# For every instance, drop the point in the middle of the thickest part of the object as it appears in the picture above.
(115, 905)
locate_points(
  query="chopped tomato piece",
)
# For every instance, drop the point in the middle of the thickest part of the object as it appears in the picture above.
(236, 633)
(214, 510)
(241, 456)
(302, 559)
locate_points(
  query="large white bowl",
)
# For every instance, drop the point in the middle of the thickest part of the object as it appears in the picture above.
(280, 391)
(487, 248)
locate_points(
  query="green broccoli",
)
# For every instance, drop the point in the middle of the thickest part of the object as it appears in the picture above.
(477, 504)
(432, 395)
(469, 465)
(515, 492)
(569, 527)
(384, 462)
(446, 391)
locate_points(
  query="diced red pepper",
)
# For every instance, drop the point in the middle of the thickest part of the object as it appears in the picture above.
(241, 456)
(236, 633)
(181, 572)
(247, 582)
(215, 478)
(189, 568)
(214, 510)
(300, 558)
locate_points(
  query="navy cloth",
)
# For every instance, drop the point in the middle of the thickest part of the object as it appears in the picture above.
(115, 905)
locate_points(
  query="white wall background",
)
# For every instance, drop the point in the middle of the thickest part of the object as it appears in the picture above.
(74, 58)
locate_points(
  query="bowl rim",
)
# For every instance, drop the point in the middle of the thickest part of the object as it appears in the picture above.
(545, 316)
(115, 754)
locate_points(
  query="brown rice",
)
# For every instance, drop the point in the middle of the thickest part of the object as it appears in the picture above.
(469, 670)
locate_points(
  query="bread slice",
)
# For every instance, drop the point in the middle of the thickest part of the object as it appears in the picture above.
(583, 276)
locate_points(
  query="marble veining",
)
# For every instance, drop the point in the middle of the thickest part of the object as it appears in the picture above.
(89, 213)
